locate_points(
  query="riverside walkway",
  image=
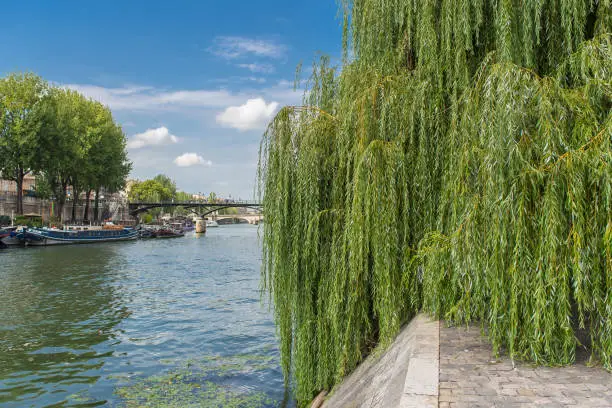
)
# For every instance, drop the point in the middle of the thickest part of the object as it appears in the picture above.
(431, 365)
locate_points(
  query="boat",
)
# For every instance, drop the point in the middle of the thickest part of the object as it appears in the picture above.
(169, 233)
(211, 224)
(182, 223)
(177, 226)
(75, 235)
(8, 236)
(5, 233)
(146, 233)
(154, 231)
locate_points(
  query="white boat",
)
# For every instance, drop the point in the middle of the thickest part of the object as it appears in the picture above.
(211, 224)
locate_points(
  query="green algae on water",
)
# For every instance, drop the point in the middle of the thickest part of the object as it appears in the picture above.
(201, 382)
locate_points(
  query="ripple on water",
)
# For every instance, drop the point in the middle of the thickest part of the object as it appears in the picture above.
(147, 323)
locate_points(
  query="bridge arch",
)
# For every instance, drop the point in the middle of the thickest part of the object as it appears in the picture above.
(223, 208)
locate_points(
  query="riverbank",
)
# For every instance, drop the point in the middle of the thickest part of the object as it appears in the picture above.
(432, 365)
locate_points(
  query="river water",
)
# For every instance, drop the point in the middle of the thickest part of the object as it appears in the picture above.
(175, 322)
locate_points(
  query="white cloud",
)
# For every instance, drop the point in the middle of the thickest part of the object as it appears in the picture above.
(237, 47)
(191, 159)
(254, 114)
(239, 80)
(198, 104)
(149, 98)
(263, 68)
(152, 137)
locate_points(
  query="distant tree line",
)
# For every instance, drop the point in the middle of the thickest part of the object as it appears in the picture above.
(159, 188)
(62, 137)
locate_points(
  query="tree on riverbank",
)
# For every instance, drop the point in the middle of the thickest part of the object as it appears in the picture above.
(20, 98)
(63, 137)
(80, 146)
(109, 167)
(459, 163)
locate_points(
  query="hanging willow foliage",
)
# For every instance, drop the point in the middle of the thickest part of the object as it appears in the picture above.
(459, 162)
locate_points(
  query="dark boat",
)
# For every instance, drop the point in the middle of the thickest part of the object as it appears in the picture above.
(160, 232)
(7, 237)
(169, 233)
(75, 235)
(146, 233)
(4, 233)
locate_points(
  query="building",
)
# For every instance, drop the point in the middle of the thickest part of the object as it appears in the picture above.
(10, 187)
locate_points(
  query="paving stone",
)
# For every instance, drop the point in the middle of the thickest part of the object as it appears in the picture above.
(422, 376)
(508, 392)
(447, 384)
(477, 378)
(525, 392)
(431, 365)
(419, 401)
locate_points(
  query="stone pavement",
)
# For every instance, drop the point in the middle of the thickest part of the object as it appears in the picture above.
(470, 376)
(431, 365)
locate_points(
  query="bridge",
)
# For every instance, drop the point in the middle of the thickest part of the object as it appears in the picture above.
(203, 208)
(250, 218)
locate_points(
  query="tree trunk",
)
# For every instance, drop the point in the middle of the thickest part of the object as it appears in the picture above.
(96, 205)
(75, 200)
(19, 181)
(86, 212)
(61, 201)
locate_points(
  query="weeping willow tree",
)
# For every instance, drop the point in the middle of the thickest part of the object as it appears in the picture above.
(457, 162)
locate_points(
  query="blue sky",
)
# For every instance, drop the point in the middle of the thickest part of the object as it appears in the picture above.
(193, 83)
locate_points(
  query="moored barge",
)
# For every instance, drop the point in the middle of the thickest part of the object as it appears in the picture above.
(75, 235)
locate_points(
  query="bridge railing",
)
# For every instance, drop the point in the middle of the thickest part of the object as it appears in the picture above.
(196, 202)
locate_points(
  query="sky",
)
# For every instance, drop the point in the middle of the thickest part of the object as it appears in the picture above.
(193, 83)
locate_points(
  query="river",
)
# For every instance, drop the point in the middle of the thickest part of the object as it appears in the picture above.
(176, 322)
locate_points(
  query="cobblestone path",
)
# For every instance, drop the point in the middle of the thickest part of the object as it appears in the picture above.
(470, 376)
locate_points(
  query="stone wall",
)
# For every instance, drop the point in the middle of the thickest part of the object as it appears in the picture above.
(404, 375)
